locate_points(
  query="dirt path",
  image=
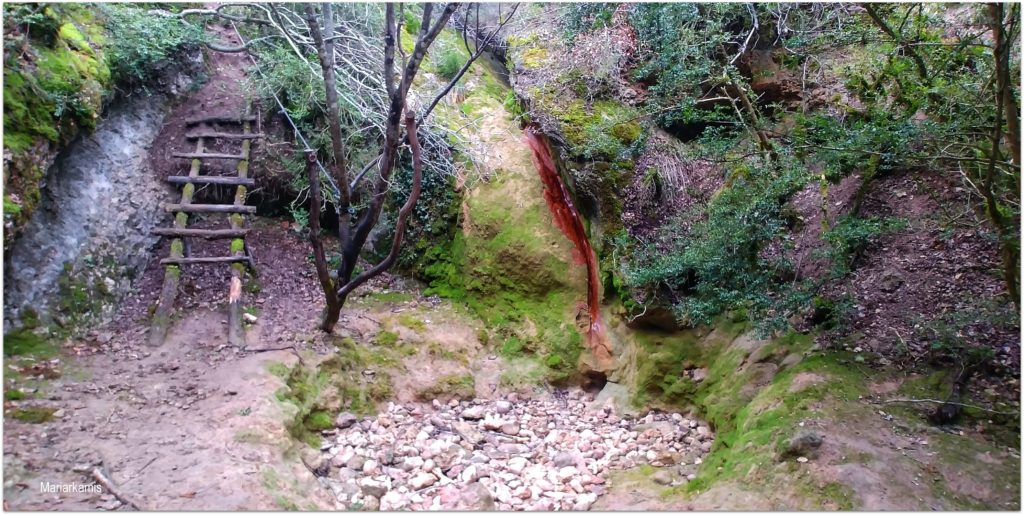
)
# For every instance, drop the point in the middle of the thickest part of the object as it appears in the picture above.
(190, 425)
(193, 424)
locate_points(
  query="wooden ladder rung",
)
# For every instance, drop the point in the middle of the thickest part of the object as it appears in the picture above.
(208, 234)
(219, 119)
(210, 179)
(191, 155)
(209, 208)
(223, 135)
(204, 260)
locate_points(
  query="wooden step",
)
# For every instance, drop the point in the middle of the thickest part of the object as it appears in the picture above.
(209, 208)
(209, 179)
(219, 119)
(223, 135)
(208, 234)
(191, 155)
(203, 260)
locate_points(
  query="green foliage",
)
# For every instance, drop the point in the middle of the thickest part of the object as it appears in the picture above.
(958, 337)
(585, 17)
(683, 49)
(141, 44)
(713, 254)
(448, 60)
(386, 338)
(412, 22)
(851, 235)
(27, 343)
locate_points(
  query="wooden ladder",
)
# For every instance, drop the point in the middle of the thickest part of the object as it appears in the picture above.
(239, 256)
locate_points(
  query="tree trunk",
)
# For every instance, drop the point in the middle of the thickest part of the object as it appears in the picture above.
(1011, 270)
(322, 270)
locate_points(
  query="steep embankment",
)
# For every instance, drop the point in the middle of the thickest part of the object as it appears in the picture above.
(85, 95)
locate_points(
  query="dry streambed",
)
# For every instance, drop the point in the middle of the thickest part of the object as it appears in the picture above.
(514, 454)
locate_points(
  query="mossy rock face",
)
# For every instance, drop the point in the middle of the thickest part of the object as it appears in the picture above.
(52, 91)
(509, 262)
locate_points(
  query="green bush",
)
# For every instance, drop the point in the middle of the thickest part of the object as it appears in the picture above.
(448, 61)
(850, 237)
(412, 22)
(711, 256)
(140, 43)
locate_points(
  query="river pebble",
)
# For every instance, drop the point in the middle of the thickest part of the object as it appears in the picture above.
(553, 453)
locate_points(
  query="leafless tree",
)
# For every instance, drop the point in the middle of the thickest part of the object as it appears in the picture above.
(353, 232)
(349, 55)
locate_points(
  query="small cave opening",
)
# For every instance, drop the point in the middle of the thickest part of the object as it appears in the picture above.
(594, 381)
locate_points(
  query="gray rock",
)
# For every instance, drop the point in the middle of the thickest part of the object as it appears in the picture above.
(803, 443)
(664, 428)
(513, 448)
(662, 477)
(473, 413)
(449, 457)
(468, 433)
(475, 497)
(564, 459)
(100, 201)
(316, 461)
(502, 407)
(371, 487)
(371, 503)
(617, 397)
(356, 462)
(345, 420)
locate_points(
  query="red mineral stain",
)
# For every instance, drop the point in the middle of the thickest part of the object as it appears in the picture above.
(569, 222)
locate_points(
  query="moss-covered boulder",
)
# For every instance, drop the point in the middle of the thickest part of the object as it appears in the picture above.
(508, 261)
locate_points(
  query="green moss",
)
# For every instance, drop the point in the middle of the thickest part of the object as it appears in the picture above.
(457, 386)
(534, 57)
(177, 247)
(29, 344)
(412, 322)
(319, 420)
(387, 297)
(13, 394)
(173, 271)
(522, 374)
(33, 415)
(386, 338)
(318, 393)
(278, 369)
(237, 245)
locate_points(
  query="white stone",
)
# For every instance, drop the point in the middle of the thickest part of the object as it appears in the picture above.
(517, 464)
(567, 473)
(422, 480)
